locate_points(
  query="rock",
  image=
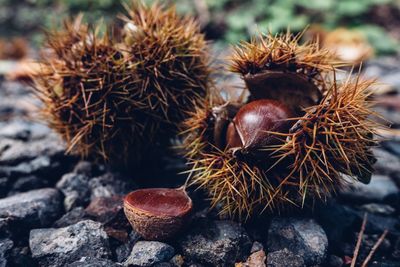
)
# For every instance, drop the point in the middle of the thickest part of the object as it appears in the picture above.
(93, 262)
(177, 260)
(376, 208)
(257, 246)
(23, 130)
(76, 190)
(386, 163)
(335, 261)
(60, 246)
(36, 208)
(108, 185)
(149, 253)
(284, 258)
(75, 215)
(377, 190)
(26, 183)
(256, 259)
(302, 237)
(218, 243)
(5, 248)
(104, 209)
(122, 252)
(21, 256)
(14, 151)
(84, 168)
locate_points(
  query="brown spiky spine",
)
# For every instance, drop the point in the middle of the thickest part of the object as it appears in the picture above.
(116, 97)
(330, 139)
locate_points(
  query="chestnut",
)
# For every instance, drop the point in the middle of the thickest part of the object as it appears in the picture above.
(253, 124)
(157, 213)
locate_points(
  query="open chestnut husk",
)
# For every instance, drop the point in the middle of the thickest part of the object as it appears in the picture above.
(292, 141)
(157, 213)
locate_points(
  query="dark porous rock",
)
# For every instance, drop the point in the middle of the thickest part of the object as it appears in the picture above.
(380, 209)
(108, 185)
(218, 243)
(13, 152)
(5, 249)
(284, 258)
(149, 253)
(84, 167)
(21, 256)
(122, 252)
(73, 216)
(4, 184)
(5, 227)
(93, 262)
(36, 208)
(76, 190)
(380, 188)
(60, 246)
(27, 183)
(104, 209)
(335, 261)
(386, 163)
(303, 237)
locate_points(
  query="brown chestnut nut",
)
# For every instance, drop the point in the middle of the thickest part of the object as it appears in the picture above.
(157, 213)
(254, 122)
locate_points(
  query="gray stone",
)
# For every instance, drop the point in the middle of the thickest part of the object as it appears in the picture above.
(75, 215)
(335, 261)
(381, 209)
(284, 258)
(93, 262)
(302, 237)
(36, 208)
(218, 243)
(84, 167)
(257, 246)
(122, 252)
(149, 253)
(60, 246)
(23, 130)
(13, 152)
(377, 190)
(76, 190)
(108, 185)
(5, 249)
(386, 163)
(26, 183)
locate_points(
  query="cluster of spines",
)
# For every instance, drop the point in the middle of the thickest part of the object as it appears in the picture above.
(329, 140)
(116, 95)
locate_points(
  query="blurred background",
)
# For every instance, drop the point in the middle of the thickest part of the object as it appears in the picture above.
(223, 21)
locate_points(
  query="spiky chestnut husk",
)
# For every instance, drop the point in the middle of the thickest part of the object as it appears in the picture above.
(328, 139)
(170, 57)
(117, 99)
(86, 85)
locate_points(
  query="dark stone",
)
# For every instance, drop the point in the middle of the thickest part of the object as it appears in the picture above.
(122, 252)
(303, 237)
(27, 183)
(104, 209)
(380, 188)
(284, 258)
(108, 185)
(76, 190)
(60, 246)
(21, 256)
(36, 208)
(93, 262)
(218, 243)
(376, 208)
(149, 253)
(335, 261)
(75, 215)
(5, 248)
(84, 168)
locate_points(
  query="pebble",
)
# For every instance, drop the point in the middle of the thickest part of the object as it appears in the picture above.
(36, 208)
(5, 249)
(73, 216)
(108, 185)
(284, 258)
(149, 253)
(217, 243)
(75, 187)
(92, 262)
(302, 237)
(60, 246)
(377, 190)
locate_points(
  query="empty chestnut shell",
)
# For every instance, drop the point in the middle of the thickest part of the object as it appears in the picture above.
(254, 122)
(157, 213)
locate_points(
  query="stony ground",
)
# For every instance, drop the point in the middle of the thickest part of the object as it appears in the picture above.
(58, 211)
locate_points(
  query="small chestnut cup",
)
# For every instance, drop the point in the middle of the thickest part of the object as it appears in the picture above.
(157, 213)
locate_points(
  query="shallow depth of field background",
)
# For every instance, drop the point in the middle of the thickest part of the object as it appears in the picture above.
(224, 21)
